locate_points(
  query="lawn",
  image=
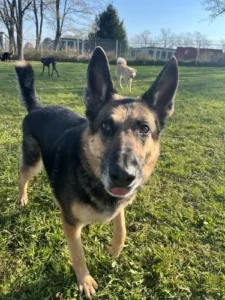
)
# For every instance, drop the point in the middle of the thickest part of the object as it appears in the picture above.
(175, 247)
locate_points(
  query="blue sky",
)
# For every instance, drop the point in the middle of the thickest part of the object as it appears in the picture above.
(177, 15)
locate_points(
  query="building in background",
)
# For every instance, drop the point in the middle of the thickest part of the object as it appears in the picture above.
(4, 42)
(203, 54)
(152, 52)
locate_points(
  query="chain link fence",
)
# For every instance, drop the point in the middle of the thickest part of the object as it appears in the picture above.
(78, 49)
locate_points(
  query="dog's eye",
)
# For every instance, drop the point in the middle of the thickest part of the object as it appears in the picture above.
(143, 129)
(106, 126)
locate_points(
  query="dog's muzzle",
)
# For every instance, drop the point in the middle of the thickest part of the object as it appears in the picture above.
(121, 182)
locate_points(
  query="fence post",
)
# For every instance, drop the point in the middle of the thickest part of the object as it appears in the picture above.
(78, 46)
(117, 48)
(82, 49)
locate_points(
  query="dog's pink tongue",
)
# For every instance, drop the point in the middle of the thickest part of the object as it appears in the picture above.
(118, 191)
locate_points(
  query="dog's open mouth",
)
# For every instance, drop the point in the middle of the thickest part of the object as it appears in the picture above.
(119, 192)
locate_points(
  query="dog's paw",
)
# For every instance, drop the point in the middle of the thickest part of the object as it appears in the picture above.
(23, 200)
(87, 285)
(114, 250)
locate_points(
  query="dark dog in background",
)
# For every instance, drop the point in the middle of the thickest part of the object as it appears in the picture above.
(6, 56)
(95, 164)
(47, 61)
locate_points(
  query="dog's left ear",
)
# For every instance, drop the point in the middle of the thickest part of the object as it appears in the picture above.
(160, 96)
(99, 88)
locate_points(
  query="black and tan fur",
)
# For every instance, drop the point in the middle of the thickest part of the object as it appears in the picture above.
(95, 164)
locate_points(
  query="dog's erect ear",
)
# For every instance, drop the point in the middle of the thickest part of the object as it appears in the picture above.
(99, 88)
(160, 96)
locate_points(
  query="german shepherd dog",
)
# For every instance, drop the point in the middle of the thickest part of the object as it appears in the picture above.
(46, 62)
(95, 164)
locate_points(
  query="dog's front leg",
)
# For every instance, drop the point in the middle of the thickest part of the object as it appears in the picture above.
(119, 234)
(85, 282)
(130, 83)
(120, 84)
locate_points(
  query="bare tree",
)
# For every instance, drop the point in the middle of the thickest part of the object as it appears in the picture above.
(18, 9)
(179, 39)
(215, 8)
(66, 13)
(172, 40)
(201, 40)
(142, 39)
(7, 12)
(38, 10)
(165, 37)
(188, 39)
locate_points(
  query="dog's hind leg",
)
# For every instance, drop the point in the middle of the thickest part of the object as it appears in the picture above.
(119, 235)
(30, 165)
(54, 69)
(85, 282)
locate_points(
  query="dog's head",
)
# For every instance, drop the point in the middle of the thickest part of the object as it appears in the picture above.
(132, 73)
(122, 142)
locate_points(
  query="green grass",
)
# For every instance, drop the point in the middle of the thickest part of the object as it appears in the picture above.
(175, 246)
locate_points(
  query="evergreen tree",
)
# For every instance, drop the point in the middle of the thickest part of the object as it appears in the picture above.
(108, 26)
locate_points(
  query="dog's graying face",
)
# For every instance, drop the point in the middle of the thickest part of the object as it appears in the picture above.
(123, 137)
(132, 73)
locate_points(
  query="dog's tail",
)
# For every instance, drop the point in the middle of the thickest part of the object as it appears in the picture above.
(121, 61)
(25, 75)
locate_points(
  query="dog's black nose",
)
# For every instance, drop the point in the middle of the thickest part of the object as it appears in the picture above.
(121, 177)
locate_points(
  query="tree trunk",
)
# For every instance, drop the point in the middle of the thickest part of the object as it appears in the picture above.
(20, 31)
(12, 42)
(58, 31)
(41, 24)
(20, 45)
(56, 42)
(38, 22)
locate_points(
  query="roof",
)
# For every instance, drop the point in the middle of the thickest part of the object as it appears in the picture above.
(202, 49)
(153, 48)
(68, 38)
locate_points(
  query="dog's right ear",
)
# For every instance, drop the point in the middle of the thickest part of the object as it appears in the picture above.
(99, 88)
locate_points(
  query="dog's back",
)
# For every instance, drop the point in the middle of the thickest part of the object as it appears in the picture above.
(121, 61)
(48, 60)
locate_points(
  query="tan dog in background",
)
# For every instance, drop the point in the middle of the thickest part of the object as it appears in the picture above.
(124, 72)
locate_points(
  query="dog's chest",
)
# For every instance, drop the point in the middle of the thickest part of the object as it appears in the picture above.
(87, 214)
